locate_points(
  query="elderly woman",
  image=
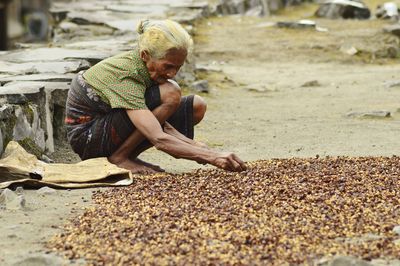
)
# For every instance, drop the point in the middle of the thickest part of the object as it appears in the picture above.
(125, 104)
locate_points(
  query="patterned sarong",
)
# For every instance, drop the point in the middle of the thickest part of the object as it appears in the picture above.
(94, 129)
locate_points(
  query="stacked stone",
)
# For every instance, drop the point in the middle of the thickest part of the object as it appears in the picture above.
(279, 212)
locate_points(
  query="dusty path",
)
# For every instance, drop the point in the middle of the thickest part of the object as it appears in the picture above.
(278, 116)
(258, 108)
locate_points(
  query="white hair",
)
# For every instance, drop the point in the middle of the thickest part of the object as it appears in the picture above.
(158, 36)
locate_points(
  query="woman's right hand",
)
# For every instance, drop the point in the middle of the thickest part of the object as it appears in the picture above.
(229, 161)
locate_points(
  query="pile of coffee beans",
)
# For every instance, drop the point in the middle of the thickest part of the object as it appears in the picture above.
(280, 211)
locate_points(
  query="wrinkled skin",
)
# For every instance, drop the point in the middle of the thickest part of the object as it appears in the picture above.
(166, 68)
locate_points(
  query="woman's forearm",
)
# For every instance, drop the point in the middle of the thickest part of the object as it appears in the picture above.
(181, 149)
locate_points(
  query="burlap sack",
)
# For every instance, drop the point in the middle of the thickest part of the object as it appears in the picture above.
(19, 168)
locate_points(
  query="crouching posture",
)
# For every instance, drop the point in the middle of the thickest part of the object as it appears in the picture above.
(127, 103)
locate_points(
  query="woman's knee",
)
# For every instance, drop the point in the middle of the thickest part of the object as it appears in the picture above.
(199, 109)
(170, 93)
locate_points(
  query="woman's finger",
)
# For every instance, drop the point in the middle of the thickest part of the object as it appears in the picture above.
(234, 164)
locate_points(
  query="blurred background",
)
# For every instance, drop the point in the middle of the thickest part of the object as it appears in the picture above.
(23, 21)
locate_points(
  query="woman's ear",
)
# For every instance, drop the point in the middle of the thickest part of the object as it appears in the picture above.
(145, 56)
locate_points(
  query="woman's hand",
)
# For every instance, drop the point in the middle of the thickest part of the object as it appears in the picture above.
(229, 161)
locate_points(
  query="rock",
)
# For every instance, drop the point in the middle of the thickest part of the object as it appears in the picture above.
(347, 261)
(388, 10)
(32, 87)
(385, 261)
(396, 229)
(47, 105)
(53, 54)
(190, 5)
(37, 24)
(23, 123)
(186, 77)
(46, 159)
(312, 83)
(346, 9)
(92, 6)
(248, 7)
(348, 49)
(391, 84)
(67, 26)
(6, 111)
(267, 24)
(31, 147)
(40, 260)
(43, 67)
(39, 77)
(187, 16)
(393, 29)
(148, 9)
(124, 25)
(58, 15)
(17, 99)
(1, 145)
(19, 190)
(371, 114)
(46, 191)
(258, 88)
(200, 86)
(100, 44)
(21, 120)
(21, 88)
(207, 68)
(301, 24)
(113, 20)
(11, 200)
(27, 130)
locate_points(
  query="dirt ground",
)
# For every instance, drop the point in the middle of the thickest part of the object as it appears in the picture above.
(274, 93)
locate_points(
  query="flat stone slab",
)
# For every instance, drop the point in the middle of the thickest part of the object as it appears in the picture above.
(86, 17)
(155, 10)
(370, 114)
(38, 77)
(188, 4)
(115, 20)
(101, 44)
(394, 29)
(391, 84)
(42, 67)
(186, 15)
(53, 54)
(124, 25)
(31, 87)
(81, 5)
(158, 2)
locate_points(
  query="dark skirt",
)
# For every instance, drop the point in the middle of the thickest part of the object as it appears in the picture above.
(94, 129)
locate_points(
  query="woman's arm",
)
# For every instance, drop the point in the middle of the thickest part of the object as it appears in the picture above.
(148, 125)
(169, 129)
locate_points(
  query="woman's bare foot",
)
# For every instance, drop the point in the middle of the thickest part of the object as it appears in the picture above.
(152, 166)
(135, 167)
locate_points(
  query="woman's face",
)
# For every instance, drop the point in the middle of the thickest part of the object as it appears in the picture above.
(166, 68)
